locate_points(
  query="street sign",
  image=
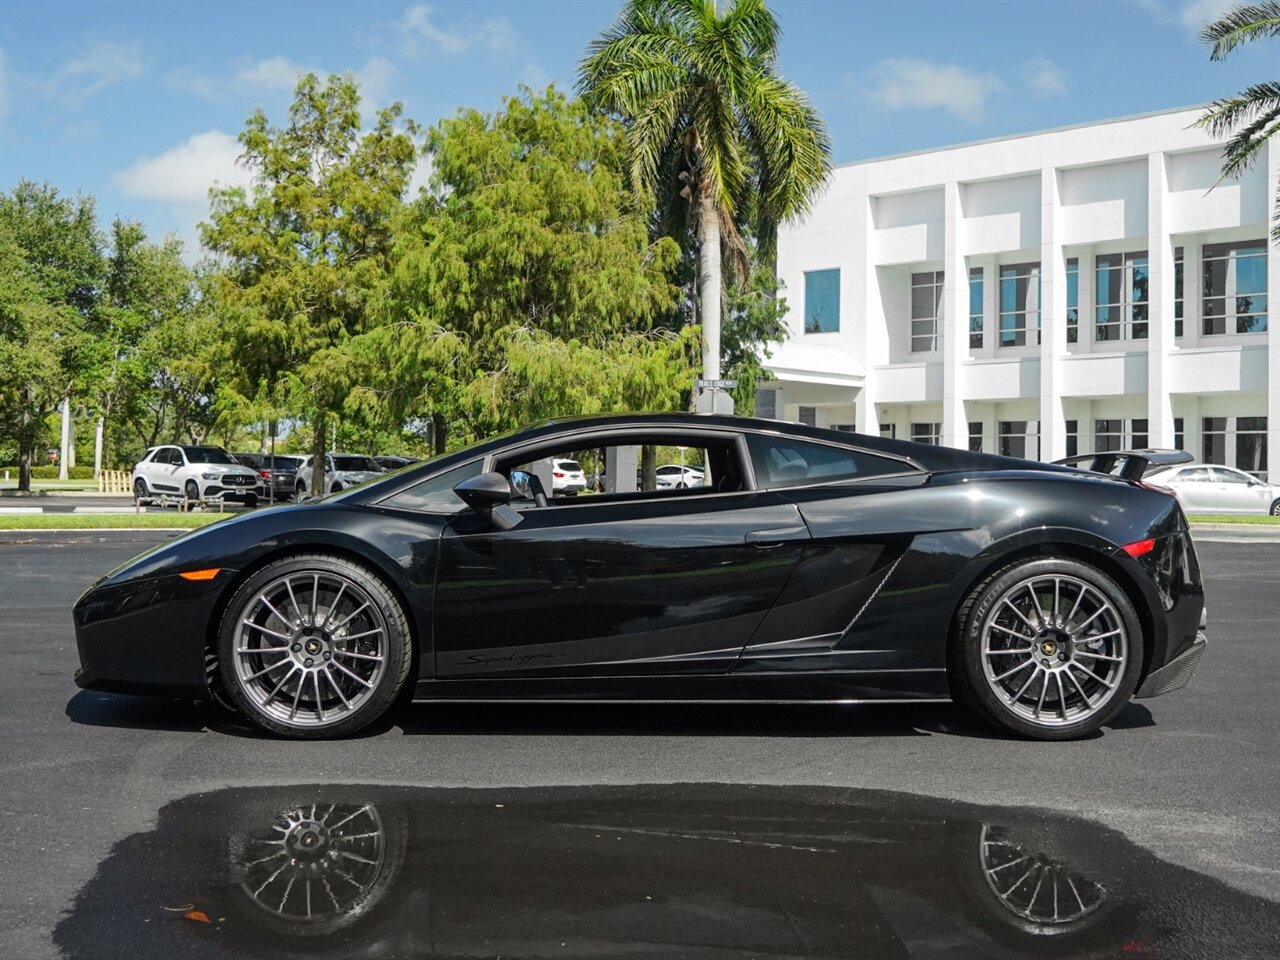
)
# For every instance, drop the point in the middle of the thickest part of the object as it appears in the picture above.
(714, 384)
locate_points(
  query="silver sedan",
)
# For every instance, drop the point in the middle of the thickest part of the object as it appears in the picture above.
(1210, 488)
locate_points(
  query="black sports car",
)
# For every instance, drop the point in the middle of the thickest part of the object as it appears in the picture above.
(811, 565)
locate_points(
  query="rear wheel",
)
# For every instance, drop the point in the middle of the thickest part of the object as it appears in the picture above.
(314, 646)
(1049, 649)
(1275, 509)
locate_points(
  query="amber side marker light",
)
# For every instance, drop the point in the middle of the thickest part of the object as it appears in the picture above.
(213, 572)
(1132, 549)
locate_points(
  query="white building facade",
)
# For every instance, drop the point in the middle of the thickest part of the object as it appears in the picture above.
(1063, 292)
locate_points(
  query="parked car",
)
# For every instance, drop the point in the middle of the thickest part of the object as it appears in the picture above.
(276, 474)
(567, 478)
(1211, 488)
(193, 473)
(395, 463)
(673, 475)
(824, 565)
(341, 470)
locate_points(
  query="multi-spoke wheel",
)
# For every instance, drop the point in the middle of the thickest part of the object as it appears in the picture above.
(1048, 648)
(314, 647)
(1048, 894)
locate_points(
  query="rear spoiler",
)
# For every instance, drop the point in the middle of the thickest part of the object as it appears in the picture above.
(1126, 464)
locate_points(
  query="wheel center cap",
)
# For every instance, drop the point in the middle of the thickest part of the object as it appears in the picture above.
(1048, 648)
(312, 647)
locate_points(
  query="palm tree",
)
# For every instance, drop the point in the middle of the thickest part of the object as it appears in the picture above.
(710, 124)
(1253, 116)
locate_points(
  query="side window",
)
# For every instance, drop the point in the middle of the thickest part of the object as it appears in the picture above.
(435, 494)
(1229, 476)
(169, 456)
(784, 462)
(1197, 474)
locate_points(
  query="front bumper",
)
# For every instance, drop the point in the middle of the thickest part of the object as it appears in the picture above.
(1175, 674)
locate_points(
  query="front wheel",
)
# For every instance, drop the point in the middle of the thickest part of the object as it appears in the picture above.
(314, 646)
(140, 491)
(1275, 509)
(1049, 649)
(192, 491)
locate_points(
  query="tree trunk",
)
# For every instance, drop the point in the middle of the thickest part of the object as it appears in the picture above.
(709, 284)
(97, 446)
(318, 486)
(648, 467)
(439, 433)
(24, 467)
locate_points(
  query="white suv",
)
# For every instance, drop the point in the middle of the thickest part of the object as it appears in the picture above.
(671, 475)
(341, 470)
(567, 478)
(194, 474)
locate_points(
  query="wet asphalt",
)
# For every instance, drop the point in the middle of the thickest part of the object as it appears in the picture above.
(483, 830)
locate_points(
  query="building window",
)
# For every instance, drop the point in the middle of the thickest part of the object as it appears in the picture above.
(926, 310)
(926, 433)
(1019, 303)
(1179, 434)
(1073, 301)
(1235, 288)
(844, 427)
(1251, 445)
(975, 436)
(1243, 437)
(1073, 437)
(822, 301)
(1122, 289)
(888, 431)
(975, 308)
(1020, 438)
(809, 416)
(767, 404)
(1177, 293)
(1111, 435)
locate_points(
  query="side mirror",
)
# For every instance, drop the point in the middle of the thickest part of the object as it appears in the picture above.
(489, 494)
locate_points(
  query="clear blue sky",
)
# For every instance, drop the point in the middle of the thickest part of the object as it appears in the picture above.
(139, 103)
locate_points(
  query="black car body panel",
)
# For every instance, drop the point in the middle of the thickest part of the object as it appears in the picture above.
(838, 591)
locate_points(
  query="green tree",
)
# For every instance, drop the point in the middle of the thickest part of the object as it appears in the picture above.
(304, 248)
(525, 284)
(50, 273)
(710, 121)
(1251, 117)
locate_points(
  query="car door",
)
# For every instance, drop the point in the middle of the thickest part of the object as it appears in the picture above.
(658, 583)
(1237, 493)
(168, 464)
(1196, 489)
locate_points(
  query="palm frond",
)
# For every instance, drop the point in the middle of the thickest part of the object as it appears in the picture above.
(1251, 21)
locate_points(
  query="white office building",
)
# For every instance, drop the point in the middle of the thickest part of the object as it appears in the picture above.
(1062, 292)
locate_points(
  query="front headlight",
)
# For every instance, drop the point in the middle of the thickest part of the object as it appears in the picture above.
(210, 476)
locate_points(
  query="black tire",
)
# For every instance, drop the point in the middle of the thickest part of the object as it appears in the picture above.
(300, 490)
(1275, 509)
(336, 487)
(366, 704)
(967, 671)
(192, 492)
(140, 492)
(251, 501)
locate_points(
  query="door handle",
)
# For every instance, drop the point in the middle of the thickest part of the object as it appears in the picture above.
(776, 536)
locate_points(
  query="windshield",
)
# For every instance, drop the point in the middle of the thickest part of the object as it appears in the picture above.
(355, 464)
(208, 455)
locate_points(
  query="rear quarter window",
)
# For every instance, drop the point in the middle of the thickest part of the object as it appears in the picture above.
(435, 494)
(785, 462)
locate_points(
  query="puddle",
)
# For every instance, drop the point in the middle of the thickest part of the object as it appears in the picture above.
(639, 871)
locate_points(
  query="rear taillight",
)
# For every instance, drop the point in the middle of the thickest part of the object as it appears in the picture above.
(1139, 548)
(265, 474)
(557, 474)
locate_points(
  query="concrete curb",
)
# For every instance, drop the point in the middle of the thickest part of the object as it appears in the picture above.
(1236, 532)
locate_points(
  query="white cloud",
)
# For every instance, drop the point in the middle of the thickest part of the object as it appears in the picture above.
(1044, 78)
(1192, 15)
(906, 82)
(101, 66)
(184, 174)
(275, 74)
(421, 34)
(374, 80)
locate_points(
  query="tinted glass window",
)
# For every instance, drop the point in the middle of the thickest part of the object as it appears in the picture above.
(355, 464)
(572, 465)
(208, 455)
(1195, 475)
(783, 462)
(1229, 476)
(435, 495)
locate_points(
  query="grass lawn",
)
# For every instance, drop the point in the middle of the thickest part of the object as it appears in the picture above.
(38, 485)
(1233, 518)
(108, 521)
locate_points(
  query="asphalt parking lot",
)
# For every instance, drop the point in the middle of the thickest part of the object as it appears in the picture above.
(111, 803)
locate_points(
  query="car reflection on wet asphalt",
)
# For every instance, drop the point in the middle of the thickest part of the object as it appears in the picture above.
(685, 870)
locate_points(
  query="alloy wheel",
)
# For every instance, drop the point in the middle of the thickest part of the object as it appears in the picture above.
(310, 648)
(1035, 887)
(1054, 649)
